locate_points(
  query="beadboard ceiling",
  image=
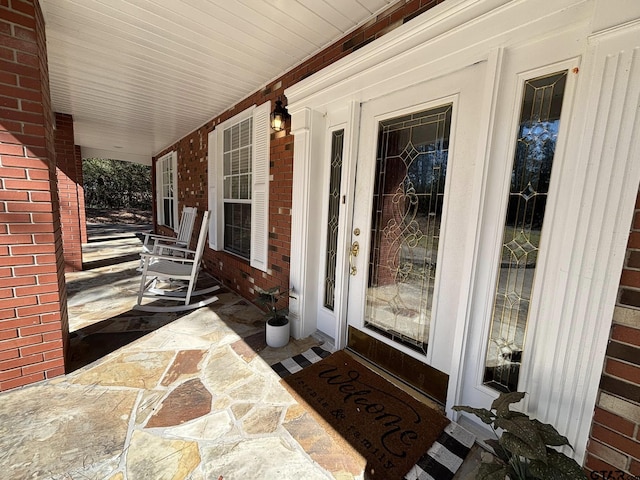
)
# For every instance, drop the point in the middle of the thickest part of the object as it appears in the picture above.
(137, 75)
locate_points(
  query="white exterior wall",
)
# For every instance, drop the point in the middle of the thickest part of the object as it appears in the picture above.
(595, 182)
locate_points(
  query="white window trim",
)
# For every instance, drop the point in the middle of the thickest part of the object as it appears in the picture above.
(259, 183)
(173, 158)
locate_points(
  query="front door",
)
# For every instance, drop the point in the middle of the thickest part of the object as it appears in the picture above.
(415, 167)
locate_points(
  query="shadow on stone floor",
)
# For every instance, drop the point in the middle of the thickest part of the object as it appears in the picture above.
(95, 341)
(78, 285)
(93, 241)
(106, 262)
(104, 232)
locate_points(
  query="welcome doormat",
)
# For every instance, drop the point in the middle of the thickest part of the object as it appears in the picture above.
(386, 425)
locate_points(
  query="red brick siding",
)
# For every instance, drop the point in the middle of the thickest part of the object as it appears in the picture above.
(192, 158)
(33, 315)
(66, 166)
(615, 433)
(80, 186)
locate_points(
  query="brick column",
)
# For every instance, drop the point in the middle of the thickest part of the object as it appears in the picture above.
(80, 187)
(33, 313)
(615, 433)
(67, 175)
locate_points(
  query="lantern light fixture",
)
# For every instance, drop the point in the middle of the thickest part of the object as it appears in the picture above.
(279, 116)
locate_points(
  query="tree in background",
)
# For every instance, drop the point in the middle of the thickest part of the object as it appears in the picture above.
(116, 184)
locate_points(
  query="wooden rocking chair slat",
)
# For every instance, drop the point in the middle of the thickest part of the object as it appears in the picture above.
(183, 237)
(160, 264)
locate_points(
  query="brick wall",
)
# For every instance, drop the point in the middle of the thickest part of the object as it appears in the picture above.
(192, 158)
(33, 315)
(67, 177)
(80, 188)
(615, 433)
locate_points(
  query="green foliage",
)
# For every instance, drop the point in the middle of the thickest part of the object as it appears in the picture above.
(524, 449)
(269, 299)
(116, 184)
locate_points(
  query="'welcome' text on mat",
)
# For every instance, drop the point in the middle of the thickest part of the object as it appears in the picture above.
(384, 424)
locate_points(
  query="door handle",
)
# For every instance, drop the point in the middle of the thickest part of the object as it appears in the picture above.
(353, 252)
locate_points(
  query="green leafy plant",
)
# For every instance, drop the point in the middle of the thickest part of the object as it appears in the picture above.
(269, 300)
(526, 448)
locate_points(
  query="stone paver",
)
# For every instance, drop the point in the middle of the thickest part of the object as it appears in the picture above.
(259, 459)
(50, 430)
(186, 402)
(169, 398)
(151, 457)
(172, 396)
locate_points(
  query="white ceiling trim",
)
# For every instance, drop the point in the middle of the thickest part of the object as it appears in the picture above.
(138, 75)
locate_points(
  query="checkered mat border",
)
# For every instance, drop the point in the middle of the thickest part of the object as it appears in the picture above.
(441, 461)
(298, 362)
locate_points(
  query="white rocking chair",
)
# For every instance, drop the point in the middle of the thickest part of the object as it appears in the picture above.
(182, 239)
(163, 264)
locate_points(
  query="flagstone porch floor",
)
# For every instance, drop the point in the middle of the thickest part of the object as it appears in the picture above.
(165, 395)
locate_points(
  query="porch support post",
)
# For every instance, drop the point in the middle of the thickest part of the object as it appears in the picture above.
(307, 126)
(70, 191)
(33, 308)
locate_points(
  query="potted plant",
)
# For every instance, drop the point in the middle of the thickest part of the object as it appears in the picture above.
(277, 329)
(526, 447)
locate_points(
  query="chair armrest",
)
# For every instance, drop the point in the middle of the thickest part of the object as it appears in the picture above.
(154, 236)
(153, 256)
(163, 242)
(171, 248)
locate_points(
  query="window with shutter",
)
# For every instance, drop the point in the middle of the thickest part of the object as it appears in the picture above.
(239, 185)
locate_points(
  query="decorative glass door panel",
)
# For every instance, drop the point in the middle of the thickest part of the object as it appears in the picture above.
(415, 168)
(530, 178)
(411, 167)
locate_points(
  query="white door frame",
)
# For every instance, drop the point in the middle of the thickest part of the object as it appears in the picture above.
(604, 149)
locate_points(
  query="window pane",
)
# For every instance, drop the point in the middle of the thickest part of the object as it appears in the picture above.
(235, 162)
(237, 231)
(166, 191)
(244, 160)
(235, 136)
(337, 141)
(244, 187)
(245, 133)
(530, 177)
(167, 207)
(227, 163)
(235, 187)
(227, 140)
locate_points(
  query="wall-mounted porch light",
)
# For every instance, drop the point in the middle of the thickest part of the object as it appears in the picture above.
(279, 116)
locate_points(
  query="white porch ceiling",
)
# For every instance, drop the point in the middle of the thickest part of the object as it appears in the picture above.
(137, 75)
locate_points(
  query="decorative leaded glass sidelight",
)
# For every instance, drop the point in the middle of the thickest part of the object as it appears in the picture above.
(337, 144)
(411, 168)
(530, 177)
